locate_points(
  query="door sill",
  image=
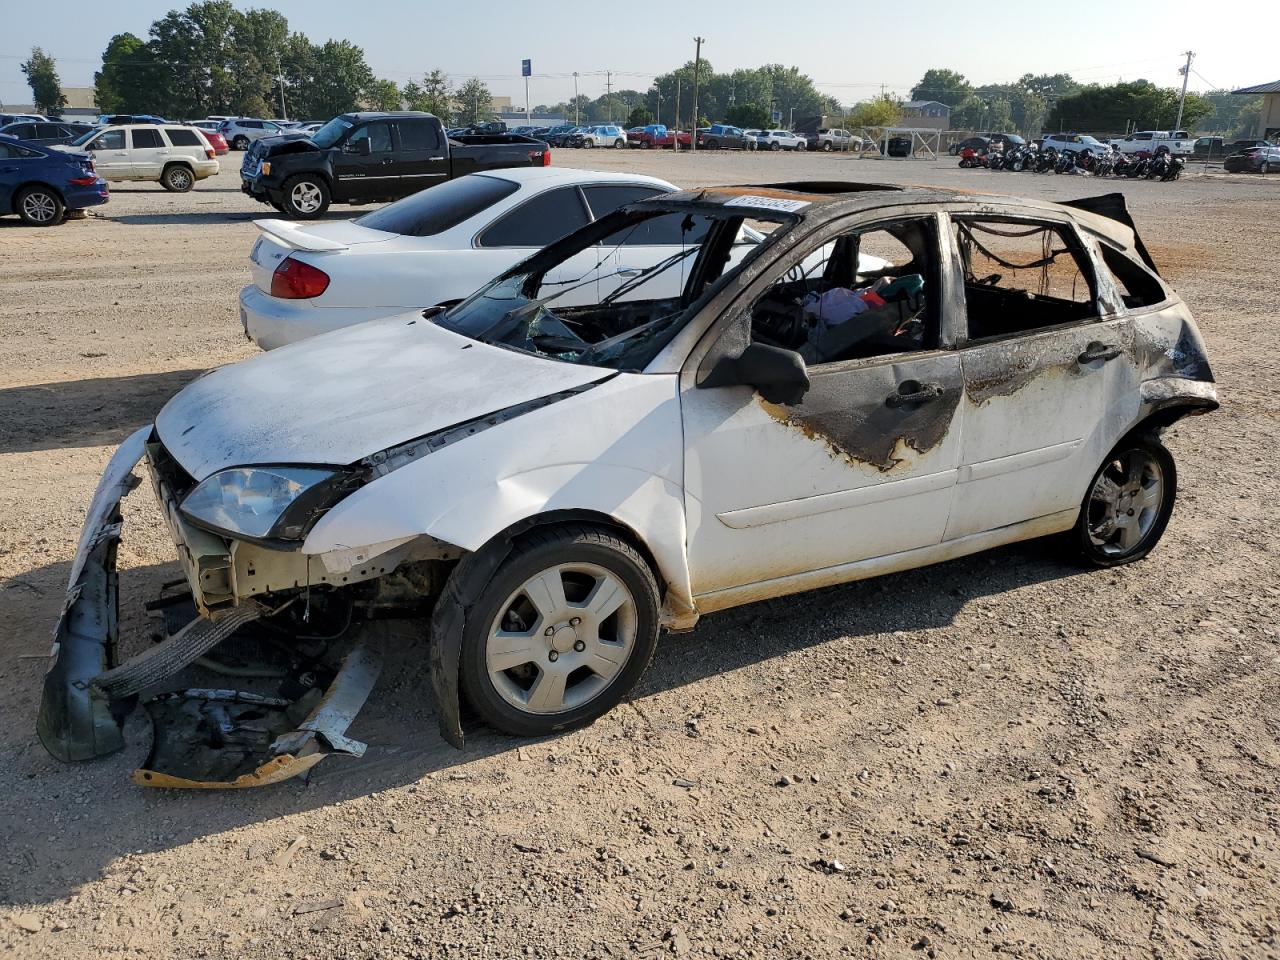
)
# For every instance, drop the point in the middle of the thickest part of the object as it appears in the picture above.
(890, 563)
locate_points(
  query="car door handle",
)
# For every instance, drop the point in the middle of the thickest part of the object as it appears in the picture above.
(912, 391)
(1098, 351)
(386, 160)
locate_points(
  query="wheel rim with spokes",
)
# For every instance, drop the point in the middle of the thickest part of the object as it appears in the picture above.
(1125, 502)
(180, 178)
(305, 197)
(561, 638)
(39, 207)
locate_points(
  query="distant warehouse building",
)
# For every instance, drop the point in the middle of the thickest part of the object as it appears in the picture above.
(1269, 119)
(928, 114)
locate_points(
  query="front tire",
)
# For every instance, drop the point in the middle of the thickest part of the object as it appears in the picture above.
(305, 197)
(1128, 504)
(561, 633)
(39, 207)
(177, 178)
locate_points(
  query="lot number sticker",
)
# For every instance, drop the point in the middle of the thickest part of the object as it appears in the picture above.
(767, 203)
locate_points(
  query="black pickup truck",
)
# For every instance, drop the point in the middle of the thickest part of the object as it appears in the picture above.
(370, 157)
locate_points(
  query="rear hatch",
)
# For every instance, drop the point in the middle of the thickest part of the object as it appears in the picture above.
(313, 242)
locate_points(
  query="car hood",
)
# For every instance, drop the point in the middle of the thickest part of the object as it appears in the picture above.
(342, 396)
(284, 143)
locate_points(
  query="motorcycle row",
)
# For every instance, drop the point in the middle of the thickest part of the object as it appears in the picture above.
(1161, 165)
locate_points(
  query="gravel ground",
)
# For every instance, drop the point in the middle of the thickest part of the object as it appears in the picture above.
(998, 754)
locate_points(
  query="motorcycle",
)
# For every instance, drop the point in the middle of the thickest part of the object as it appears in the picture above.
(1066, 162)
(970, 157)
(1016, 159)
(1138, 165)
(1164, 166)
(996, 160)
(1046, 160)
(1174, 170)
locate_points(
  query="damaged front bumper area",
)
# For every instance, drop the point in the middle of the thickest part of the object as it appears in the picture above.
(204, 738)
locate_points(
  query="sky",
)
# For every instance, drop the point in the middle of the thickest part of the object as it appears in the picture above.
(850, 47)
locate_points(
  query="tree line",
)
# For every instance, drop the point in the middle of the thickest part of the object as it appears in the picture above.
(1038, 102)
(214, 59)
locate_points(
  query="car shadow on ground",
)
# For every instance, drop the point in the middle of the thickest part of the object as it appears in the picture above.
(196, 217)
(89, 814)
(83, 413)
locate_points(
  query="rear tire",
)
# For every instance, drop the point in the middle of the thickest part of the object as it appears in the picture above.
(177, 178)
(619, 144)
(588, 663)
(240, 143)
(39, 206)
(305, 197)
(1128, 504)
(826, 147)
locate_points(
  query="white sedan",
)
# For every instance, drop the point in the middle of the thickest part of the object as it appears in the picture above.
(436, 246)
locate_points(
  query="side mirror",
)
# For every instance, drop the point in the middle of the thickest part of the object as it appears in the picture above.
(364, 147)
(779, 375)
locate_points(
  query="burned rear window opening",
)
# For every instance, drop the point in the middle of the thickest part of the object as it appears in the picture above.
(590, 300)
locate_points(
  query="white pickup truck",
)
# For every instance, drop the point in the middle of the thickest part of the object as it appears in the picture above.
(1179, 142)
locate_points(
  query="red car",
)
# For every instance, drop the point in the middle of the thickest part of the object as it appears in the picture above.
(217, 141)
(648, 139)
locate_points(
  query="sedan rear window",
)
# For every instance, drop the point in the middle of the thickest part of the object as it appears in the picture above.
(430, 212)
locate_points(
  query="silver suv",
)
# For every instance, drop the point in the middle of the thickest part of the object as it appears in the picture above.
(241, 132)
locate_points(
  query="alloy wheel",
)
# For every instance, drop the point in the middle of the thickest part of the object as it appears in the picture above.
(306, 197)
(39, 207)
(1125, 502)
(561, 638)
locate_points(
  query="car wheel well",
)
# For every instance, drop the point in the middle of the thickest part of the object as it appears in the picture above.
(18, 190)
(582, 517)
(1166, 416)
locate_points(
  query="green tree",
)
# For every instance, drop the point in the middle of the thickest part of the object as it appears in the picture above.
(639, 116)
(1113, 108)
(194, 52)
(1233, 114)
(475, 102)
(42, 77)
(128, 81)
(750, 116)
(383, 95)
(432, 95)
(1049, 86)
(341, 80)
(944, 86)
(255, 61)
(883, 111)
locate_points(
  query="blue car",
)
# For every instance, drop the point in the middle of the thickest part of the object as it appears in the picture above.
(40, 184)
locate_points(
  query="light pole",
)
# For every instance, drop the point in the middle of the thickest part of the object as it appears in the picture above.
(657, 105)
(697, 59)
(675, 139)
(576, 118)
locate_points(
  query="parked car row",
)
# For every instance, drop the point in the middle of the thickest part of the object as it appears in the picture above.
(41, 184)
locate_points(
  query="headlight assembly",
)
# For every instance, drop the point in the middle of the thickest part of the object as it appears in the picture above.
(266, 503)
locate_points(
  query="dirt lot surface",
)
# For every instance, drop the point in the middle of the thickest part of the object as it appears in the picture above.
(1000, 754)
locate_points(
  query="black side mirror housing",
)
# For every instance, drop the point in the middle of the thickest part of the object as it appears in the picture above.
(779, 375)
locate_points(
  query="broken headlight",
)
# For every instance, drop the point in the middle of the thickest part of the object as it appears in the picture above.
(265, 503)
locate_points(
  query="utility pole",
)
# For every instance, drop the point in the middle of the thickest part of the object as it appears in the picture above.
(284, 115)
(675, 137)
(608, 93)
(576, 118)
(1186, 75)
(697, 59)
(657, 106)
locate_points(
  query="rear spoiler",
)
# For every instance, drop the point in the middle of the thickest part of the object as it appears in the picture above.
(294, 235)
(1112, 206)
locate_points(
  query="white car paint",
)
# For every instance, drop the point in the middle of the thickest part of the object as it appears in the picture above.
(781, 140)
(376, 274)
(438, 378)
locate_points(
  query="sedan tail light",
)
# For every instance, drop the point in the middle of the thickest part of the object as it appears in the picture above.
(83, 181)
(295, 280)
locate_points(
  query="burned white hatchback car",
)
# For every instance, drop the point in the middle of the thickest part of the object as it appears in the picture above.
(892, 378)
